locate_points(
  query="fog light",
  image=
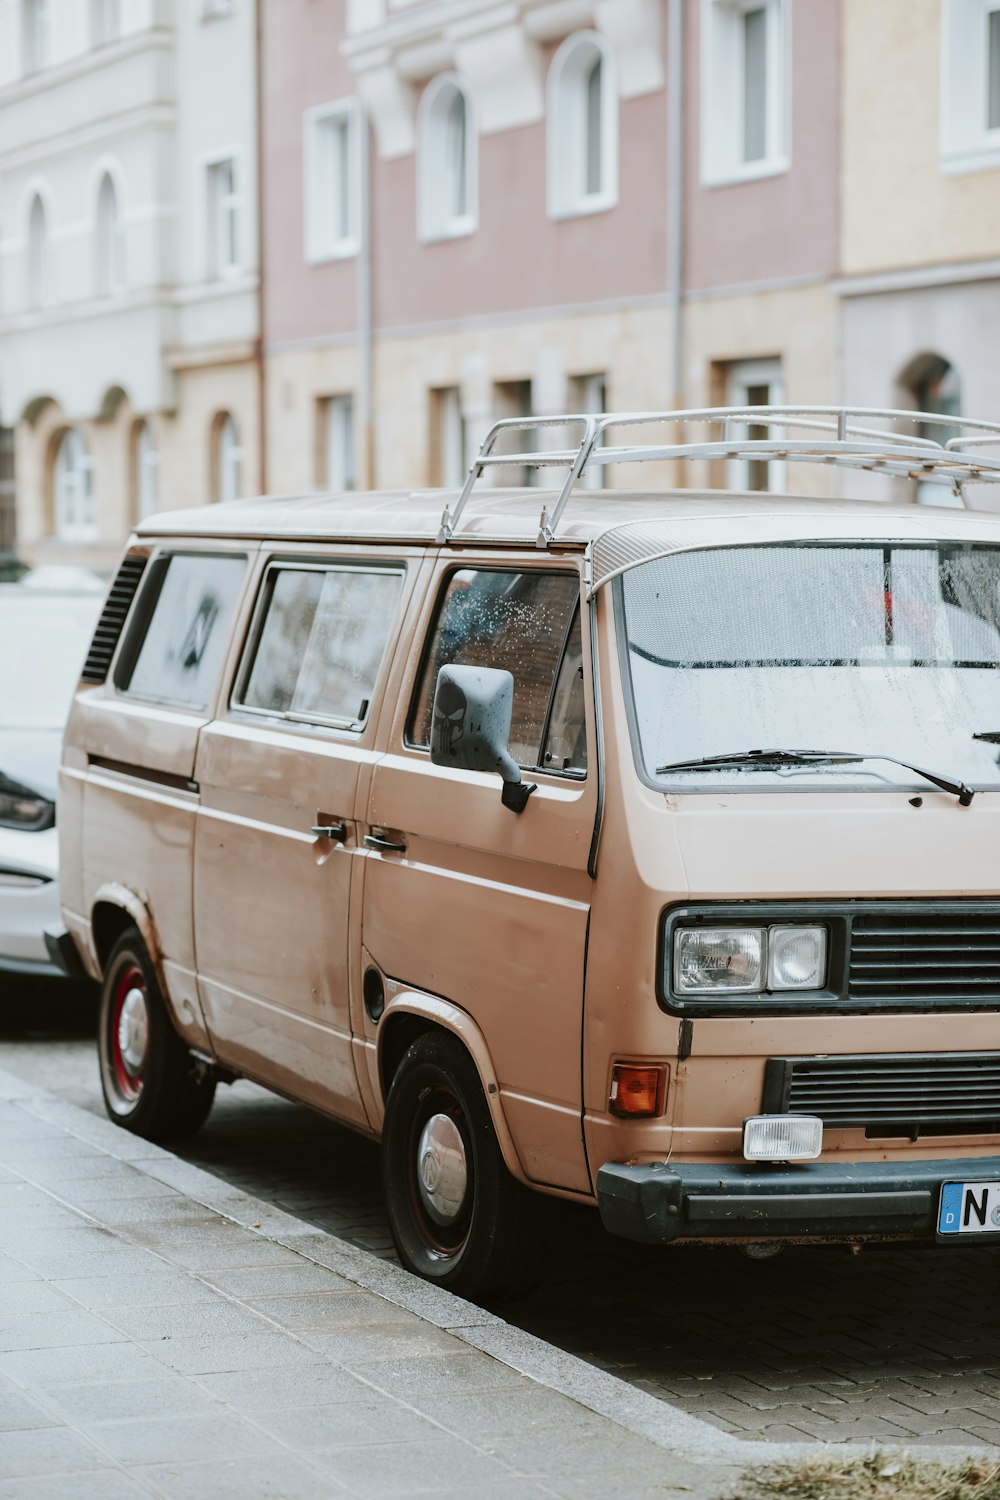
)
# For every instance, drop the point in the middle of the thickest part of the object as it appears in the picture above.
(636, 1091)
(782, 1138)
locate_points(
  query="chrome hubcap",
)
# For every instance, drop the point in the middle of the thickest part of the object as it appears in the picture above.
(442, 1169)
(133, 1031)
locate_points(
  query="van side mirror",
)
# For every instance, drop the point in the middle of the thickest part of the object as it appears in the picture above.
(470, 727)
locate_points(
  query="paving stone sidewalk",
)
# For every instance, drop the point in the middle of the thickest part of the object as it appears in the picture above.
(163, 1334)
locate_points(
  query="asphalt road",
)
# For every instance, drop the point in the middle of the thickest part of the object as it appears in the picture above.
(894, 1346)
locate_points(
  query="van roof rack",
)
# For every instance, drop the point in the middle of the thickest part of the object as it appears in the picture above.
(830, 435)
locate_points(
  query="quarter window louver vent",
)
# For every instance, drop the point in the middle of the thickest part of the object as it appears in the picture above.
(113, 617)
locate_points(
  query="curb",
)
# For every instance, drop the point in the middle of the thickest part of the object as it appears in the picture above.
(607, 1395)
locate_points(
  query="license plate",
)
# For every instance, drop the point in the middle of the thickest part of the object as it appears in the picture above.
(969, 1208)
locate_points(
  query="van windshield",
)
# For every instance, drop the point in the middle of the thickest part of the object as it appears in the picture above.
(874, 649)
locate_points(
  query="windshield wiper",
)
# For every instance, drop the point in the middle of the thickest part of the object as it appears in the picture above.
(815, 758)
(991, 736)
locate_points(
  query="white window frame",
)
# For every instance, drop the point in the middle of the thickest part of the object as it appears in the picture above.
(228, 458)
(451, 437)
(435, 219)
(967, 144)
(340, 470)
(147, 469)
(73, 483)
(36, 36)
(109, 240)
(741, 374)
(216, 205)
(567, 193)
(722, 91)
(321, 166)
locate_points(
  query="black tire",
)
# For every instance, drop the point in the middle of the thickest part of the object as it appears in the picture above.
(151, 1083)
(489, 1239)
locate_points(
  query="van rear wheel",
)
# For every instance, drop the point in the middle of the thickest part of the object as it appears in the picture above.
(150, 1081)
(458, 1217)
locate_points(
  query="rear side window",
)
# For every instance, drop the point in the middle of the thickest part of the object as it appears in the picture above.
(321, 641)
(175, 648)
(526, 624)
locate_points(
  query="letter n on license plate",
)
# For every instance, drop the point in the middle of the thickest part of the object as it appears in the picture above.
(968, 1208)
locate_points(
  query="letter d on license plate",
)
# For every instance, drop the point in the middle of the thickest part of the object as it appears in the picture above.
(969, 1208)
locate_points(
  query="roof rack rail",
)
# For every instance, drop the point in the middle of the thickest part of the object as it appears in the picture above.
(831, 435)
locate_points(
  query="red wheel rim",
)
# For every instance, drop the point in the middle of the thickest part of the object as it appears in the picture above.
(129, 1032)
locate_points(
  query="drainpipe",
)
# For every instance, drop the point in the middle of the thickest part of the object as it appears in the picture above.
(259, 341)
(365, 320)
(675, 197)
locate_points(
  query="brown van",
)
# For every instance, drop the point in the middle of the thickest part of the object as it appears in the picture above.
(637, 853)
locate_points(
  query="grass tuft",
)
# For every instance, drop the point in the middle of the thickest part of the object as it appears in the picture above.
(879, 1476)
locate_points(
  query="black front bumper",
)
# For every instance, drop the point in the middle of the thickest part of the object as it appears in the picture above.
(656, 1202)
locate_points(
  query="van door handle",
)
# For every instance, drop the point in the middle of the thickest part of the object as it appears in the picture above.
(392, 846)
(335, 831)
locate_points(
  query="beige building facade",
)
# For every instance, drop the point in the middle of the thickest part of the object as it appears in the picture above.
(128, 264)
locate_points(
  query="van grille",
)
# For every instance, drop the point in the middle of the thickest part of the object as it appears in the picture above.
(113, 616)
(891, 1094)
(925, 955)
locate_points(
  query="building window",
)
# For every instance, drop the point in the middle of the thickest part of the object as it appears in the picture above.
(110, 245)
(228, 459)
(222, 213)
(34, 35)
(449, 460)
(755, 382)
(337, 467)
(589, 394)
(970, 84)
(514, 398)
(932, 384)
(75, 507)
(331, 182)
(583, 128)
(447, 161)
(744, 89)
(146, 468)
(105, 21)
(39, 257)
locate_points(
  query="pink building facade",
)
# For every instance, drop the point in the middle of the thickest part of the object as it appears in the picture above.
(476, 209)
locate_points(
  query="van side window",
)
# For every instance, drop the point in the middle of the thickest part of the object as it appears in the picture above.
(321, 643)
(183, 616)
(515, 621)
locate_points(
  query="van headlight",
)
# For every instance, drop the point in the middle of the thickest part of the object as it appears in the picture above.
(734, 960)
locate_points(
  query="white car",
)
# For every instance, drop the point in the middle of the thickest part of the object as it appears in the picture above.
(44, 634)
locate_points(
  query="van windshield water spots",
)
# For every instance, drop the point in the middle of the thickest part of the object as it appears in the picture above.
(877, 649)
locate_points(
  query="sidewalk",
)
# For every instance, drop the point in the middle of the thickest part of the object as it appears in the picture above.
(162, 1334)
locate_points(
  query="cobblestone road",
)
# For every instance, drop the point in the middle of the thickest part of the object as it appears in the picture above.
(895, 1346)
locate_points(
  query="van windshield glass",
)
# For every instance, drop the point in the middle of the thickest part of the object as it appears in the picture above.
(876, 649)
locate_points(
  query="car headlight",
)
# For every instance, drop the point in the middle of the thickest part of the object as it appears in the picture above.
(25, 810)
(734, 960)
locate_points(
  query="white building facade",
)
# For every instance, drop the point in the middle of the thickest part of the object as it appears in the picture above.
(128, 261)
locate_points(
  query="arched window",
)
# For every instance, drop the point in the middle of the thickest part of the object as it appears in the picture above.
(39, 266)
(146, 462)
(447, 161)
(932, 384)
(75, 506)
(34, 35)
(110, 246)
(583, 127)
(228, 458)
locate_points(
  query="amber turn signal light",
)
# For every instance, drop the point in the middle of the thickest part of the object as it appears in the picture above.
(637, 1091)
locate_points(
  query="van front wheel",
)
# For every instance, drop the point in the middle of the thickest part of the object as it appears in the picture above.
(148, 1076)
(457, 1216)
